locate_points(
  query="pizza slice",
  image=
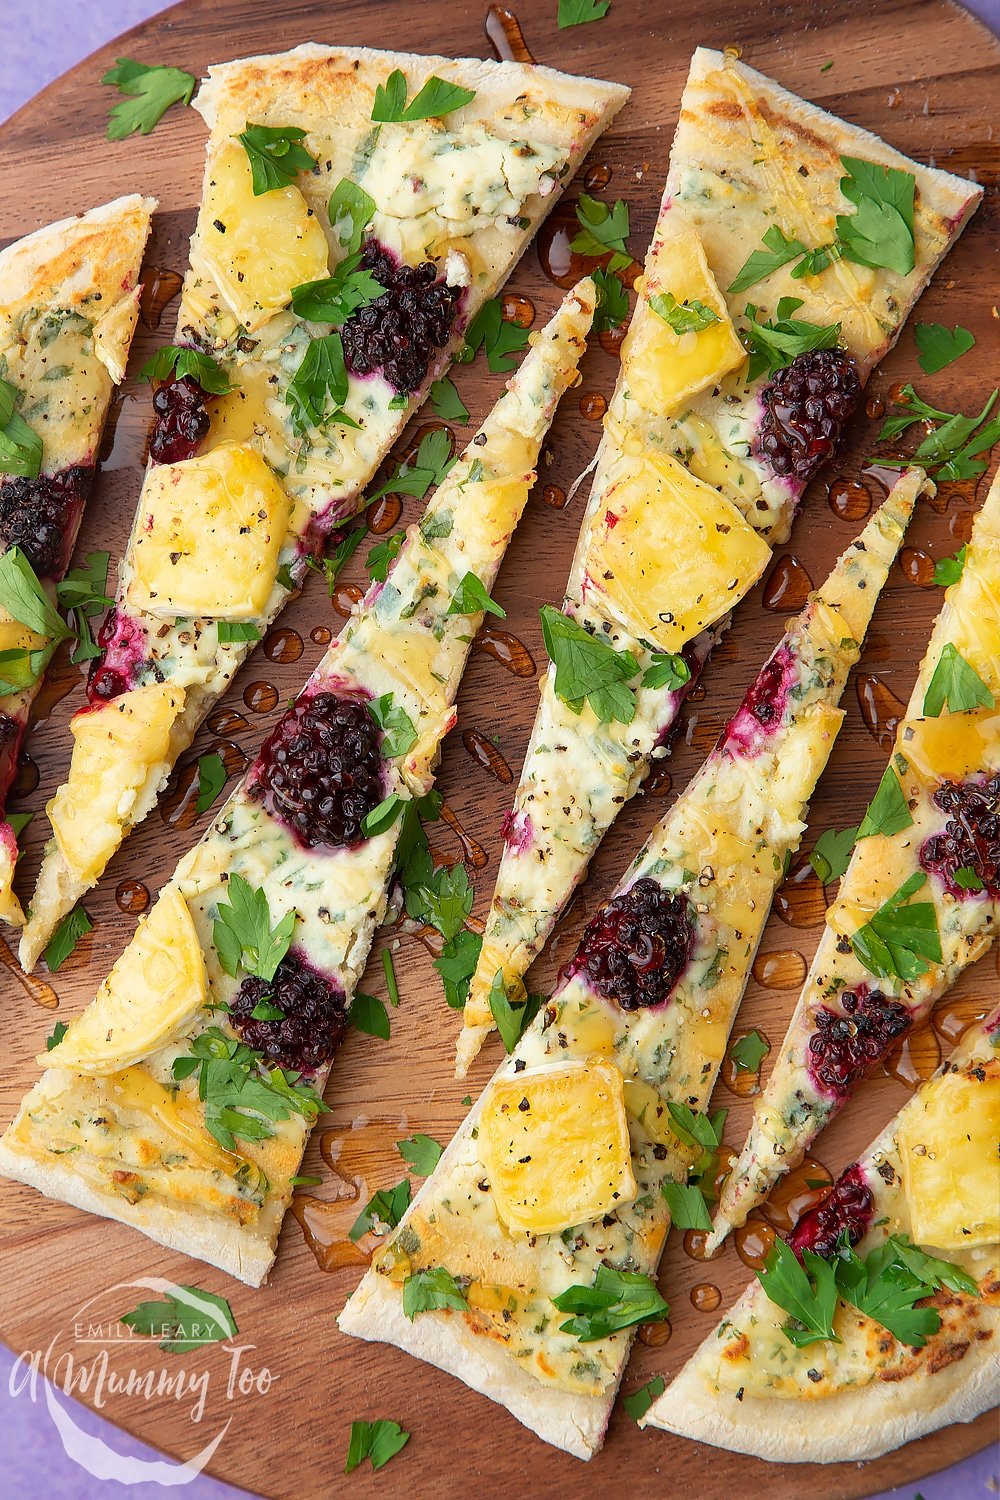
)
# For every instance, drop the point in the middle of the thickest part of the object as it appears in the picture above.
(180, 1101)
(69, 299)
(760, 315)
(893, 1283)
(359, 208)
(551, 1197)
(919, 901)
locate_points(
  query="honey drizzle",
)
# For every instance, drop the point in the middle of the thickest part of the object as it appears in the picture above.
(486, 754)
(471, 850)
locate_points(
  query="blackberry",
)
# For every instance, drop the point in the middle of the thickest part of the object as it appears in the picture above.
(636, 947)
(181, 420)
(806, 407)
(315, 1016)
(970, 839)
(399, 332)
(763, 707)
(37, 515)
(847, 1206)
(847, 1043)
(320, 770)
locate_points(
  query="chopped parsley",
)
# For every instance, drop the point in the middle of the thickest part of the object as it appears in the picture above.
(831, 853)
(429, 466)
(938, 346)
(382, 1211)
(426, 1291)
(639, 1402)
(471, 598)
(434, 100)
(334, 298)
(747, 1054)
(186, 1319)
(240, 1093)
(579, 12)
(149, 91)
(948, 570)
(211, 780)
(612, 300)
(378, 1441)
(276, 155)
(84, 593)
(237, 632)
(888, 812)
(446, 401)
(65, 938)
(880, 231)
(179, 361)
(778, 250)
(588, 669)
(955, 683)
(900, 939)
(667, 670)
(512, 1017)
(350, 211)
(398, 732)
(500, 338)
(774, 343)
(683, 317)
(616, 1300)
(603, 231)
(368, 1014)
(243, 935)
(951, 449)
(20, 445)
(421, 1153)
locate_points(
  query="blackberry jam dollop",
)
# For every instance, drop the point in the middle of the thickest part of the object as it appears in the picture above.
(806, 407)
(764, 705)
(181, 420)
(400, 331)
(320, 771)
(848, 1042)
(315, 1016)
(970, 839)
(634, 950)
(37, 515)
(847, 1206)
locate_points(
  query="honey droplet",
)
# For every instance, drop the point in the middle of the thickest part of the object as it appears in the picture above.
(506, 649)
(743, 1082)
(796, 1193)
(611, 339)
(321, 635)
(655, 1335)
(753, 1242)
(875, 407)
(952, 1019)
(36, 989)
(801, 901)
(554, 497)
(659, 781)
(897, 394)
(123, 445)
(132, 896)
(359, 1160)
(705, 1297)
(915, 1059)
(784, 970)
(515, 309)
(159, 288)
(260, 697)
(325, 1228)
(472, 851)
(179, 805)
(593, 406)
(226, 721)
(960, 525)
(486, 754)
(561, 264)
(233, 757)
(881, 710)
(787, 585)
(917, 567)
(25, 778)
(344, 597)
(695, 1241)
(283, 645)
(59, 681)
(383, 514)
(849, 501)
(504, 34)
(596, 177)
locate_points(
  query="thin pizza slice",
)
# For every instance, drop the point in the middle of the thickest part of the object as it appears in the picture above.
(918, 902)
(181, 1100)
(760, 314)
(69, 300)
(359, 209)
(893, 1287)
(556, 1195)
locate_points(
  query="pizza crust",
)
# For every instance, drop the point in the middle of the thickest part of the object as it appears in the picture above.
(77, 256)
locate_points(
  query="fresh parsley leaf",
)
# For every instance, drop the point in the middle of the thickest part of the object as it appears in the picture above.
(930, 1270)
(616, 1300)
(898, 938)
(333, 299)
(378, 1441)
(382, 817)
(179, 361)
(687, 1205)
(938, 346)
(24, 598)
(457, 964)
(318, 389)
(350, 211)
(421, 1153)
(683, 317)
(368, 1014)
(243, 935)
(471, 598)
(382, 556)
(398, 732)
(880, 231)
(240, 1093)
(603, 230)
(749, 1052)
(815, 261)
(211, 779)
(386, 1207)
(774, 343)
(84, 592)
(699, 1130)
(948, 570)
(491, 331)
(444, 900)
(304, 1180)
(667, 670)
(888, 812)
(955, 683)
(20, 446)
(425, 1291)
(807, 1291)
(639, 1402)
(276, 155)
(266, 1010)
(446, 401)
(967, 879)
(150, 90)
(187, 1318)
(885, 1287)
(56, 1035)
(611, 309)
(432, 462)
(951, 449)
(65, 938)
(588, 669)
(831, 853)
(391, 983)
(436, 99)
(237, 632)
(579, 12)
(347, 544)
(512, 1018)
(779, 250)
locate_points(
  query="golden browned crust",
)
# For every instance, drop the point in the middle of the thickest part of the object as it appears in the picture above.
(62, 264)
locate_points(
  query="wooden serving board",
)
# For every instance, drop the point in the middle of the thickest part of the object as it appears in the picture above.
(925, 75)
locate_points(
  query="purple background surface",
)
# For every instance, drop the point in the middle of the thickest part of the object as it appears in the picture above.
(42, 40)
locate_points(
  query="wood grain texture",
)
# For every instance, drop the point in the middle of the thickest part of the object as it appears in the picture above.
(923, 74)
